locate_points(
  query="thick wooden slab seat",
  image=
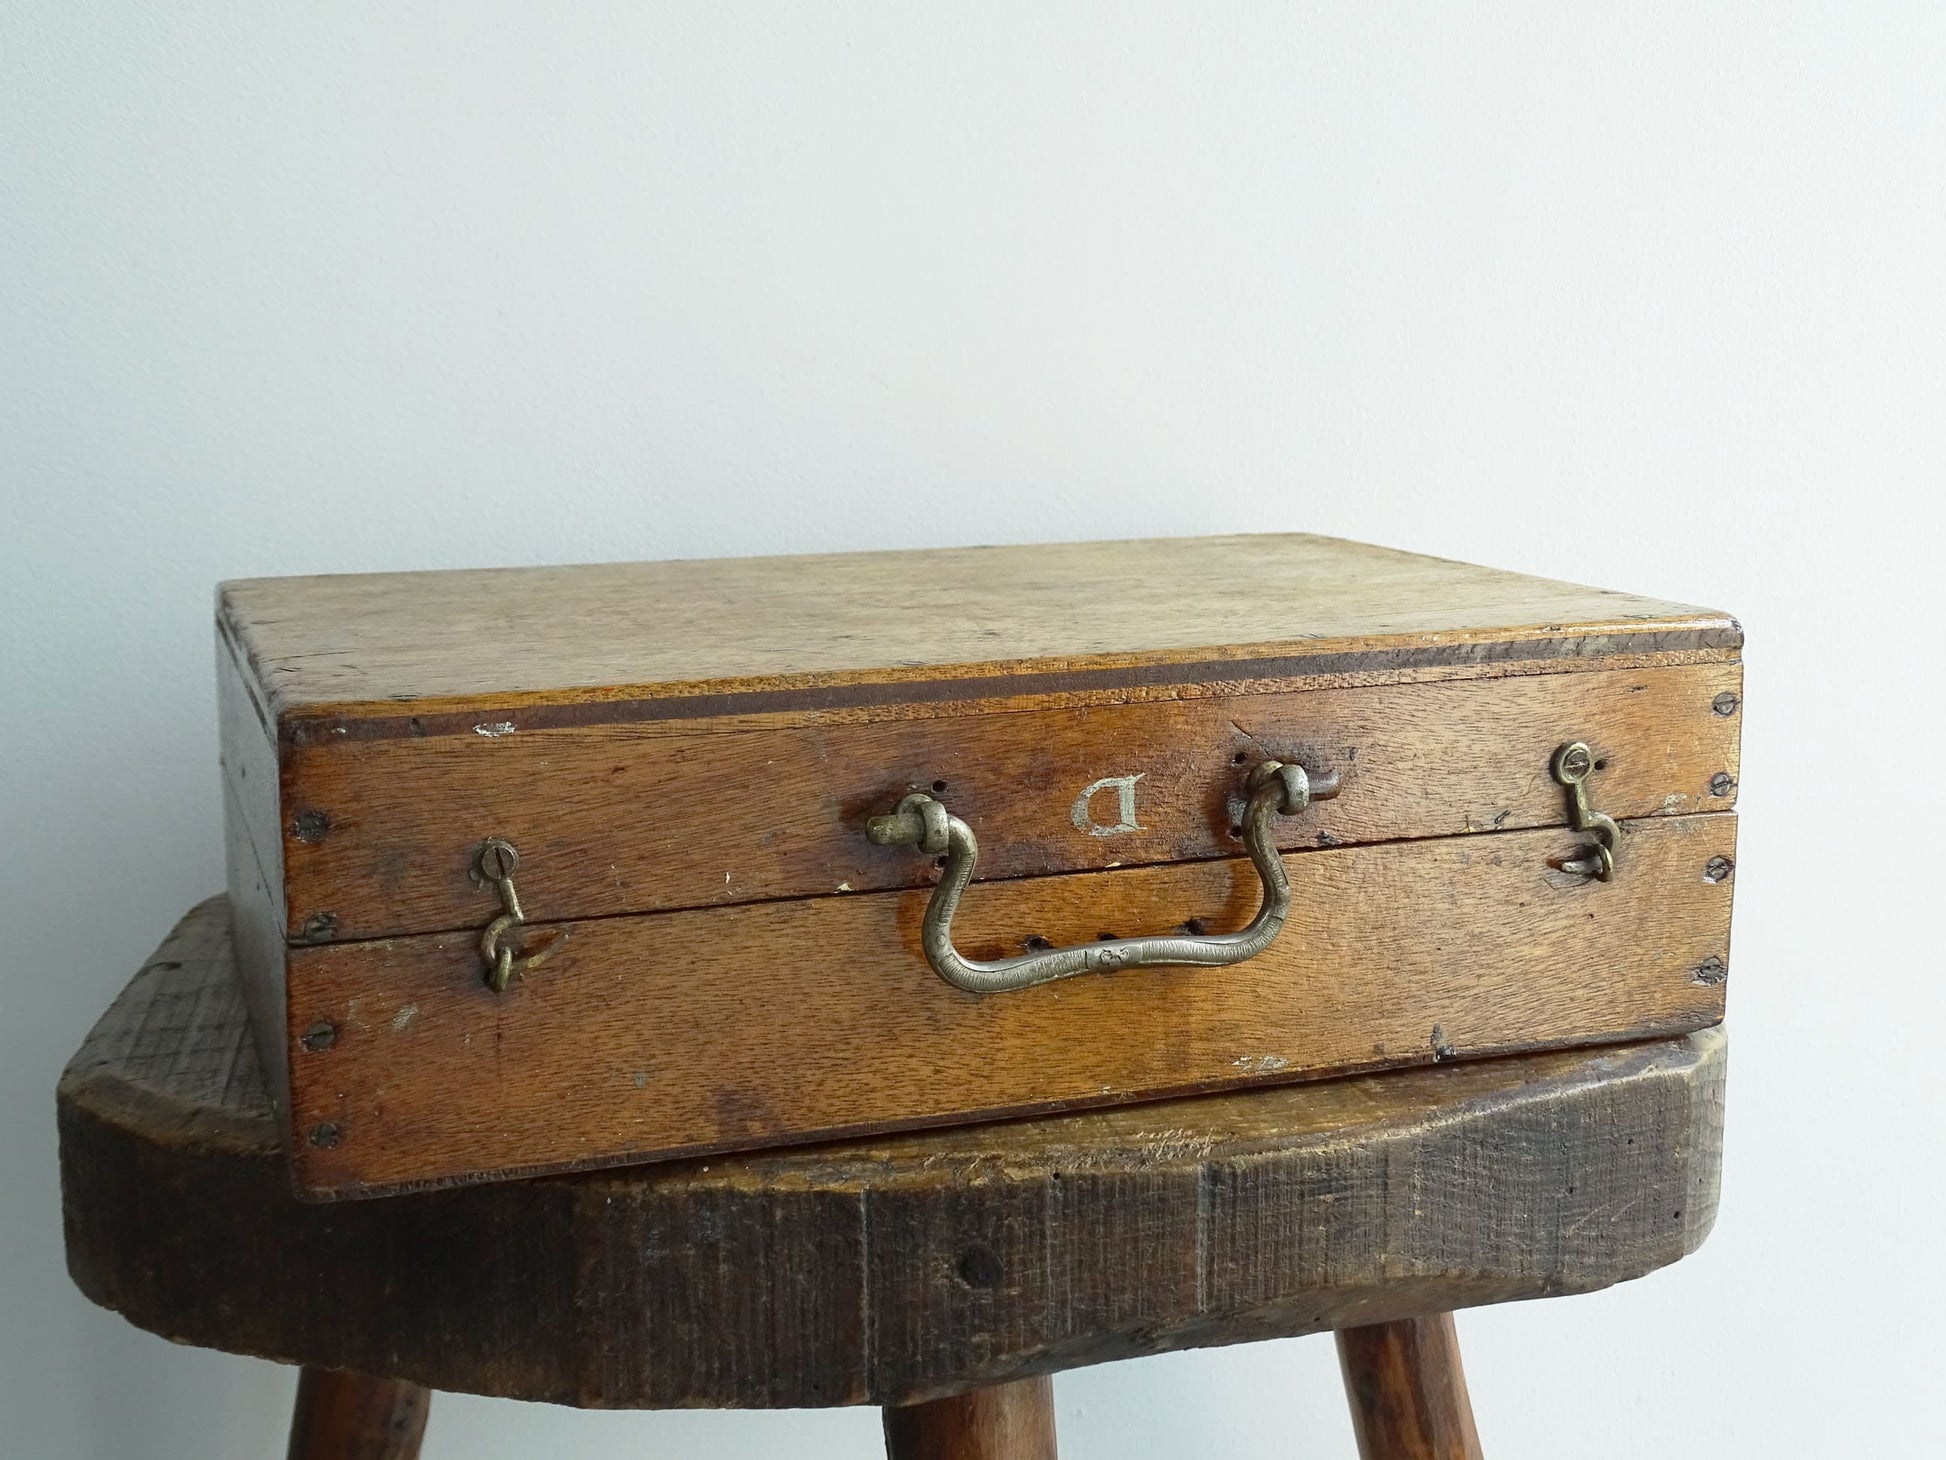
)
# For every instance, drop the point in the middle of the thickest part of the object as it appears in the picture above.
(883, 1272)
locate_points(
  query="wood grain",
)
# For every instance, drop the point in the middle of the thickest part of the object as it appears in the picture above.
(1002, 1422)
(379, 837)
(791, 631)
(246, 738)
(1407, 1390)
(703, 742)
(260, 950)
(882, 1272)
(357, 1417)
(734, 1028)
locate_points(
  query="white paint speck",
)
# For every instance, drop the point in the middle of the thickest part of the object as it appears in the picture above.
(495, 730)
(404, 1017)
(844, 887)
(1261, 1064)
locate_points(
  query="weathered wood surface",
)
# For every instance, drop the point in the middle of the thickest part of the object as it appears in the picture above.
(739, 1028)
(374, 652)
(884, 1272)
(357, 1417)
(380, 838)
(1408, 1391)
(1000, 1422)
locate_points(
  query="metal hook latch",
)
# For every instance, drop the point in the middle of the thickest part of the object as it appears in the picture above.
(1573, 764)
(497, 862)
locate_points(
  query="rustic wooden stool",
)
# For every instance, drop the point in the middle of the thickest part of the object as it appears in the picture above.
(944, 1276)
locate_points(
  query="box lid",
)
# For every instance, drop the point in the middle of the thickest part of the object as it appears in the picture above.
(706, 637)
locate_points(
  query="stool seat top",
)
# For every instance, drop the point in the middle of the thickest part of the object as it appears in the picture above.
(881, 1271)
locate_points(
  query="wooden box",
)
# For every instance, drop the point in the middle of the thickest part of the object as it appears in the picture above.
(547, 868)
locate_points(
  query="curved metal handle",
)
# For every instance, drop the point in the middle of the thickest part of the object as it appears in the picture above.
(922, 822)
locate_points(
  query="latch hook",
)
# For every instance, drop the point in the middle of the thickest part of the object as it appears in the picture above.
(497, 861)
(1573, 763)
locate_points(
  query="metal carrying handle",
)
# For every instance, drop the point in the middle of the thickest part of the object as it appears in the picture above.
(922, 822)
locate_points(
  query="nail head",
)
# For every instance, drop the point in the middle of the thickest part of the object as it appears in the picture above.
(321, 1035)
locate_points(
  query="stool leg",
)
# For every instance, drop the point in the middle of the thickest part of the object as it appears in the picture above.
(1407, 1391)
(1001, 1422)
(357, 1417)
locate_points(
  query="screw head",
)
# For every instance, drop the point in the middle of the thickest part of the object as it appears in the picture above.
(326, 1134)
(319, 927)
(321, 1035)
(498, 859)
(1718, 869)
(1573, 762)
(1725, 703)
(1722, 783)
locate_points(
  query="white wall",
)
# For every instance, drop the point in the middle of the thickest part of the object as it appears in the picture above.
(1647, 296)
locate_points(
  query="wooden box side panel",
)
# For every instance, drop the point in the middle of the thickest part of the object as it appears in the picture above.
(719, 1029)
(380, 836)
(253, 853)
